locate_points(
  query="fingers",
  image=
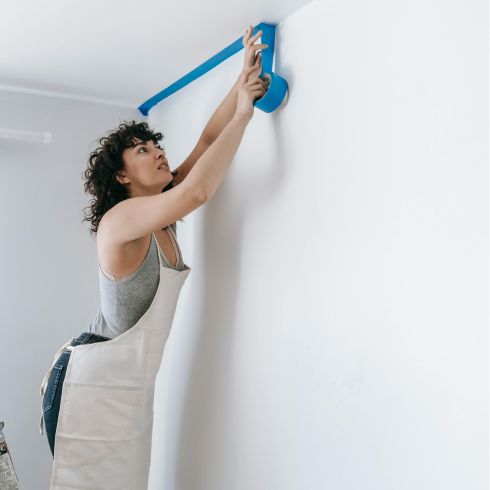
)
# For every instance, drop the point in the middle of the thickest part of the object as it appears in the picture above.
(256, 84)
(254, 38)
(249, 71)
(249, 41)
(257, 88)
(252, 73)
(255, 47)
(257, 93)
(246, 37)
(256, 66)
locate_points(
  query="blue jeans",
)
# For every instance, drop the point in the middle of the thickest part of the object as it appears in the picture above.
(52, 396)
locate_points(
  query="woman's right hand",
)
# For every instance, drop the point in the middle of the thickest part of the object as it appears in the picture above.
(250, 88)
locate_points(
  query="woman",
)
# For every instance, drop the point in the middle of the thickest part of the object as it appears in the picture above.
(137, 201)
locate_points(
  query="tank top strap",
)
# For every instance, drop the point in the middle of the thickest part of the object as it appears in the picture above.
(175, 243)
(154, 238)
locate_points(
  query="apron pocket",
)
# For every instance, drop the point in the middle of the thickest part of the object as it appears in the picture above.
(108, 413)
(104, 465)
(52, 387)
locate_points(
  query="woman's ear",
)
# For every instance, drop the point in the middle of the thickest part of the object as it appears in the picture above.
(121, 177)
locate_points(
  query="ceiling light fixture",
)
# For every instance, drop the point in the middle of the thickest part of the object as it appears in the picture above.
(14, 134)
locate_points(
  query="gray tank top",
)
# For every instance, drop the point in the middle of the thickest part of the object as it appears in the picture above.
(124, 301)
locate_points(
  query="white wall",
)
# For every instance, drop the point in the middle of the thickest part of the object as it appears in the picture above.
(48, 260)
(333, 331)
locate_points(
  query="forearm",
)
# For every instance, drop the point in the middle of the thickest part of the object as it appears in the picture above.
(209, 171)
(222, 115)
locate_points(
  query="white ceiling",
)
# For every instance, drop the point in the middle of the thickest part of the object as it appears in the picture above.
(119, 51)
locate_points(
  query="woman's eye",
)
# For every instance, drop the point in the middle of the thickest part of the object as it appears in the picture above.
(143, 148)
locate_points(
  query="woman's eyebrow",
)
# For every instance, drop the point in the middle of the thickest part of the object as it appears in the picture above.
(143, 144)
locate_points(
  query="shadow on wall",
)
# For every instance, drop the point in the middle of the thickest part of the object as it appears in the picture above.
(222, 240)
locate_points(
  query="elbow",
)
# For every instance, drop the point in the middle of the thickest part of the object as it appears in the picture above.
(196, 189)
(201, 195)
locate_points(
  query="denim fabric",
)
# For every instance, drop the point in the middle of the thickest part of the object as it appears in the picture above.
(52, 396)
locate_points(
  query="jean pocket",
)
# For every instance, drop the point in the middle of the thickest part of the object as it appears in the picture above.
(52, 387)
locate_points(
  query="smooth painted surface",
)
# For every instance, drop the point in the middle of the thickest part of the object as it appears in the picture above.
(336, 330)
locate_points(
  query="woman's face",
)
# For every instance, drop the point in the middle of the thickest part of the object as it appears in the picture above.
(141, 172)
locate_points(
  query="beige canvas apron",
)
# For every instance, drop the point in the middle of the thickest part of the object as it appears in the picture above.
(104, 432)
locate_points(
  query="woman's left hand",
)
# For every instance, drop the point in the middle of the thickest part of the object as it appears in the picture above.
(251, 48)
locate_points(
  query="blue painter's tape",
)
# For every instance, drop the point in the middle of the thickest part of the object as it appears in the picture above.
(278, 87)
(269, 102)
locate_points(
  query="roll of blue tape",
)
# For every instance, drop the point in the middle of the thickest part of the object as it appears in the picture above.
(269, 102)
(278, 87)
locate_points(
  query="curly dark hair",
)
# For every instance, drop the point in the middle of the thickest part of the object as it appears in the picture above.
(103, 164)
